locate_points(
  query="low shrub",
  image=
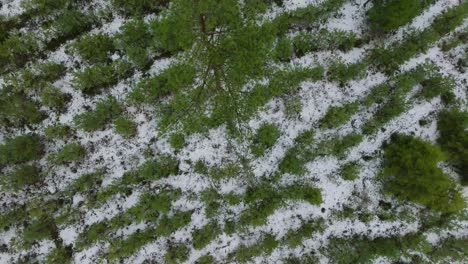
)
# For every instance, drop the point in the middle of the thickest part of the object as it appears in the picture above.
(452, 125)
(94, 48)
(106, 110)
(177, 141)
(411, 173)
(22, 176)
(17, 110)
(69, 153)
(350, 171)
(203, 236)
(58, 131)
(134, 39)
(176, 253)
(52, 97)
(21, 148)
(338, 115)
(266, 137)
(388, 15)
(125, 127)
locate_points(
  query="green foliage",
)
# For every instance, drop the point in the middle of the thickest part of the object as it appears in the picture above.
(168, 225)
(134, 39)
(59, 255)
(121, 248)
(203, 236)
(292, 107)
(284, 49)
(388, 15)
(106, 111)
(176, 253)
(52, 97)
(171, 80)
(293, 238)
(338, 115)
(98, 76)
(390, 58)
(386, 112)
(177, 141)
(305, 42)
(452, 125)
(58, 131)
(350, 171)
(343, 72)
(39, 229)
(125, 127)
(35, 77)
(22, 176)
(211, 198)
(139, 7)
(295, 158)
(69, 153)
(266, 137)
(161, 168)
(411, 173)
(306, 16)
(302, 192)
(16, 50)
(205, 259)
(230, 170)
(21, 148)
(17, 110)
(246, 253)
(436, 85)
(364, 250)
(88, 182)
(72, 23)
(94, 48)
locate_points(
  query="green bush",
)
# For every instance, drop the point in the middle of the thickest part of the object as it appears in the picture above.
(452, 125)
(338, 115)
(161, 168)
(17, 49)
(293, 107)
(72, 23)
(100, 75)
(139, 7)
(410, 173)
(52, 97)
(21, 148)
(211, 198)
(134, 39)
(22, 176)
(177, 141)
(230, 170)
(284, 49)
(245, 253)
(293, 238)
(386, 112)
(59, 255)
(17, 110)
(205, 259)
(301, 192)
(125, 126)
(106, 110)
(176, 253)
(39, 229)
(171, 80)
(94, 48)
(266, 137)
(69, 153)
(388, 15)
(343, 72)
(58, 131)
(350, 171)
(203, 236)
